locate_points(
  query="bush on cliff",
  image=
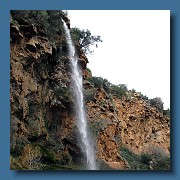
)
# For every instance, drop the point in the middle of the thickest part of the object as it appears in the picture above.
(157, 102)
(48, 21)
(146, 161)
(89, 95)
(119, 90)
(162, 163)
(166, 112)
(133, 159)
(97, 81)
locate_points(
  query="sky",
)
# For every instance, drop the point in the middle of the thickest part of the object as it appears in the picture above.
(135, 50)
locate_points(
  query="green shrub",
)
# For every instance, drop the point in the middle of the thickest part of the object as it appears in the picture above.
(162, 163)
(133, 159)
(133, 90)
(16, 151)
(119, 90)
(66, 159)
(145, 161)
(145, 158)
(157, 102)
(47, 155)
(100, 82)
(31, 157)
(166, 112)
(56, 145)
(97, 126)
(97, 81)
(89, 95)
(89, 70)
(62, 95)
(106, 85)
(48, 21)
(15, 164)
(112, 102)
(144, 97)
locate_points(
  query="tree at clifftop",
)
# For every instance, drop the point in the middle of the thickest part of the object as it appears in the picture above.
(85, 39)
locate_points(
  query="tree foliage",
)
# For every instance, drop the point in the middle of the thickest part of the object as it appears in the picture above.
(167, 112)
(158, 103)
(144, 97)
(97, 81)
(119, 90)
(85, 39)
(145, 161)
(49, 21)
(100, 82)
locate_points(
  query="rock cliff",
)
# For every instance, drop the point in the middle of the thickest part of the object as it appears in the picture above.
(43, 130)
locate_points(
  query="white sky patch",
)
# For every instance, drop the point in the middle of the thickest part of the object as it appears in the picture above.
(135, 50)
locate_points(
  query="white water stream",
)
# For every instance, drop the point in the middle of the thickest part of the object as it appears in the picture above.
(76, 75)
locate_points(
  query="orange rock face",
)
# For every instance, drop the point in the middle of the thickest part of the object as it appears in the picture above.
(142, 126)
(129, 123)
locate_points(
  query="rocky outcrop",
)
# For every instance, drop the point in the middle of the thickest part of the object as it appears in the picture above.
(130, 123)
(142, 126)
(40, 110)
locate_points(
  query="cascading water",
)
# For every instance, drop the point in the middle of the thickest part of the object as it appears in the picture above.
(76, 76)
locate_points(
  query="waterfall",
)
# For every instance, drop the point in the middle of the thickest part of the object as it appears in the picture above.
(76, 77)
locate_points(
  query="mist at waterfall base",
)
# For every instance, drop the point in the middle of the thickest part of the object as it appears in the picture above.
(77, 87)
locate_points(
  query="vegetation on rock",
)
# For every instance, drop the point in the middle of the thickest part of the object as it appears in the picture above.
(157, 102)
(146, 161)
(85, 39)
(47, 21)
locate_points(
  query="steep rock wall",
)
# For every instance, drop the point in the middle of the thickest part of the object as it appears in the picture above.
(40, 97)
